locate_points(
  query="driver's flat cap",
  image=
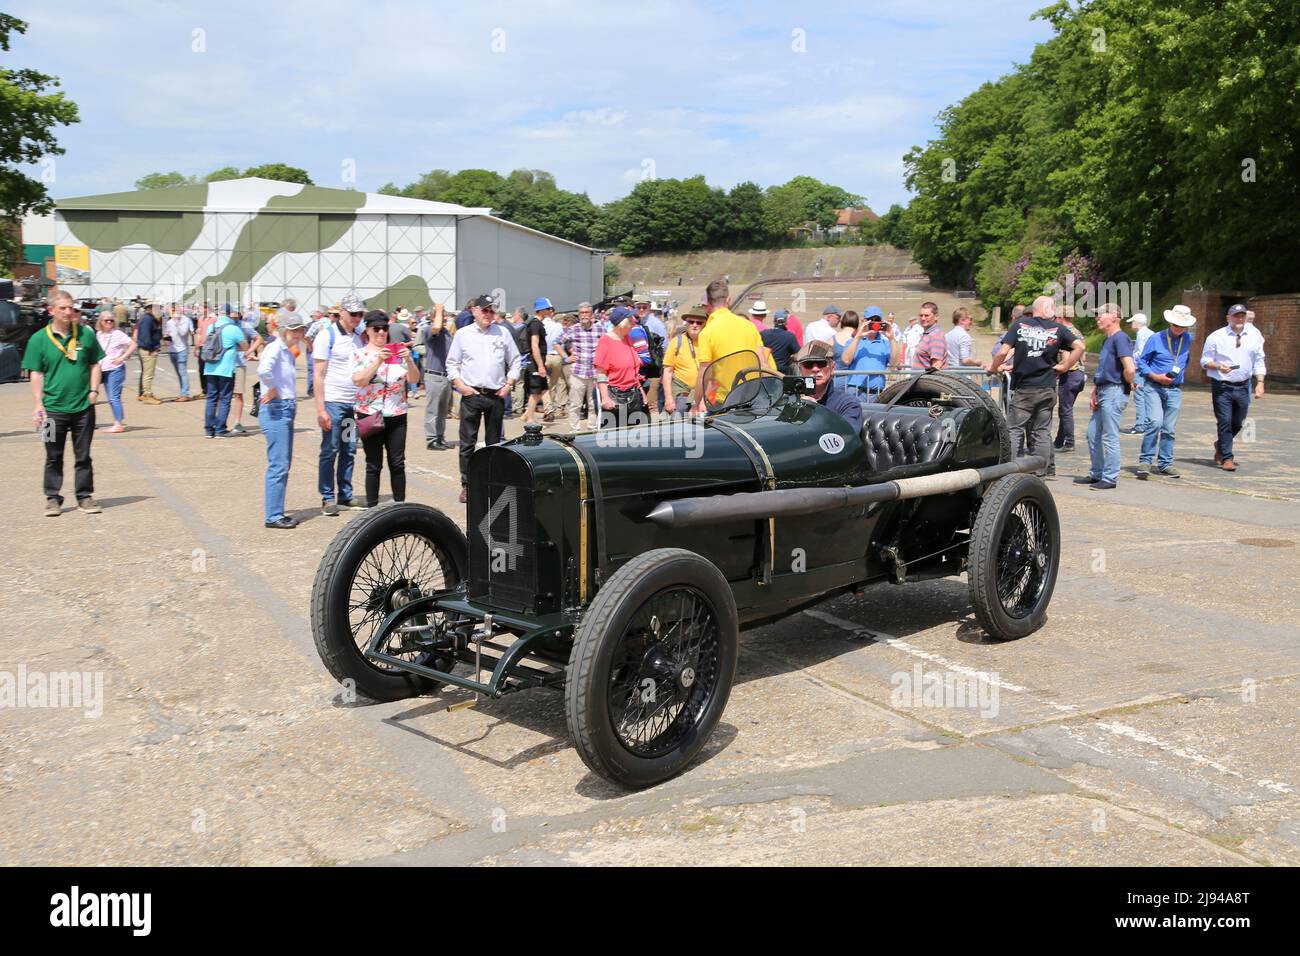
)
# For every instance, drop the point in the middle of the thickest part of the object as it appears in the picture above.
(815, 351)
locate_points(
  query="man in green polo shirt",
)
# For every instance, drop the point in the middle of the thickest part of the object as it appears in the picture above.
(63, 359)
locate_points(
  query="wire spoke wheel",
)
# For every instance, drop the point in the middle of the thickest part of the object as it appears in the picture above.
(1022, 558)
(665, 673)
(397, 570)
(377, 564)
(1013, 556)
(652, 665)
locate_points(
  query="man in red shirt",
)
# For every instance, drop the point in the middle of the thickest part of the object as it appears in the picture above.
(931, 351)
(618, 373)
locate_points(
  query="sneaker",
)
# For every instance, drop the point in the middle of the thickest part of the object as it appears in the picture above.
(1102, 485)
(1132, 430)
(88, 506)
(1066, 448)
(329, 508)
(209, 436)
(282, 524)
(352, 504)
(240, 430)
(226, 434)
(1144, 472)
(52, 507)
(150, 400)
(464, 495)
(1170, 472)
(1086, 480)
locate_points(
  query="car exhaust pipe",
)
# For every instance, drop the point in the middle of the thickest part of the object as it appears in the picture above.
(758, 505)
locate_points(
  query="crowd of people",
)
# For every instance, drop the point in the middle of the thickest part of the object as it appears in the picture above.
(625, 363)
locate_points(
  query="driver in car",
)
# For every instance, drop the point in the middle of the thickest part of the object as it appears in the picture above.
(816, 360)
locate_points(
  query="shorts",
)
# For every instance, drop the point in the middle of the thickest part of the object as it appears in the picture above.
(240, 377)
(535, 384)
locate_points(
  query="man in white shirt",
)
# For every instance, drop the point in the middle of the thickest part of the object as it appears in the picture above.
(1142, 416)
(179, 329)
(960, 346)
(1231, 357)
(823, 330)
(336, 397)
(911, 339)
(483, 364)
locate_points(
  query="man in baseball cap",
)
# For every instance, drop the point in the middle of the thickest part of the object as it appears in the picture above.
(336, 394)
(823, 330)
(1232, 356)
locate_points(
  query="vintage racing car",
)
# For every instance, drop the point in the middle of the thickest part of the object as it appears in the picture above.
(620, 565)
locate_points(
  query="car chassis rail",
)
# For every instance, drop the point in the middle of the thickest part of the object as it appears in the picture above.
(471, 631)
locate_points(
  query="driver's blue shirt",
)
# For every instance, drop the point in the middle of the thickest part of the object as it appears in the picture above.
(844, 404)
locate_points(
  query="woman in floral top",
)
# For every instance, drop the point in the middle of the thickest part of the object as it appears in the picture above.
(381, 378)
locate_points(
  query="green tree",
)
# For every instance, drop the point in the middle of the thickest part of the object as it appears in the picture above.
(280, 173)
(30, 109)
(222, 174)
(473, 187)
(164, 181)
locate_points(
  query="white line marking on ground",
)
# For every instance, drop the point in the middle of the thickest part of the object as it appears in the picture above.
(1142, 737)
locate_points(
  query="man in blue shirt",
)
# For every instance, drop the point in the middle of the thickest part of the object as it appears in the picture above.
(1163, 364)
(148, 339)
(221, 377)
(869, 350)
(1113, 379)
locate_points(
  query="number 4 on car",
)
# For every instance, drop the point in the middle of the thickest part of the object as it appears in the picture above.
(621, 572)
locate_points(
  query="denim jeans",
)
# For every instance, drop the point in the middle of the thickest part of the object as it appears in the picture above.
(1141, 410)
(337, 455)
(217, 404)
(113, 382)
(1068, 387)
(181, 363)
(1231, 404)
(1164, 403)
(1103, 432)
(276, 423)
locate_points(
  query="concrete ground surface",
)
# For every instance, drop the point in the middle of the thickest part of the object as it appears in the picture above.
(1151, 721)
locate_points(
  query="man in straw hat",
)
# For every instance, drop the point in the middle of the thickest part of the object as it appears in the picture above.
(1163, 364)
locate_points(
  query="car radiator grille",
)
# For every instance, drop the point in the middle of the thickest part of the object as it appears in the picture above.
(502, 533)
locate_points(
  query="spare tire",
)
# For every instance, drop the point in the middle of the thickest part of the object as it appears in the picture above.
(925, 388)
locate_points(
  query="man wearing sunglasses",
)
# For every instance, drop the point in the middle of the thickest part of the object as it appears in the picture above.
(816, 360)
(681, 369)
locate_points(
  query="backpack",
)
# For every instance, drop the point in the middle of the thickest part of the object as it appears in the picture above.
(213, 347)
(654, 367)
(521, 337)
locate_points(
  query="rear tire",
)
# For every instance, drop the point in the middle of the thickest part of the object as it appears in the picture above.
(652, 666)
(384, 557)
(931, 385)
(1014, 555)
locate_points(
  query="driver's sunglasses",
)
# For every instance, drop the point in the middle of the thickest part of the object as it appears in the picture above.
(809, 366)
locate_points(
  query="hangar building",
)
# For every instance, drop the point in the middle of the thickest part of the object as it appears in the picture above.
(256, 240)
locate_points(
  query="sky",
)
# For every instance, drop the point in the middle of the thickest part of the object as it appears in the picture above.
(599, 94)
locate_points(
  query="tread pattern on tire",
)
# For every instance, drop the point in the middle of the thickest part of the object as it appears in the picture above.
(983, 541)
(584, 652)
(325, 572)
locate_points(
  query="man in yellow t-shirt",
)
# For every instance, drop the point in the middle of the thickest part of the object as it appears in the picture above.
(724, 334)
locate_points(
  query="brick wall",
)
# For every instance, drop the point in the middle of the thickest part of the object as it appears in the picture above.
(1277, 316)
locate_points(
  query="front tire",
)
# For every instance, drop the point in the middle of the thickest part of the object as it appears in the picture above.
(652, 666)
(378, 562)
(1014, 555)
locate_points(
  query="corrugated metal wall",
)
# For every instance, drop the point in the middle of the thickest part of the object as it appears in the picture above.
(492, 255)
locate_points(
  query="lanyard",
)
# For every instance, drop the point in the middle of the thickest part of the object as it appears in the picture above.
(70, 350)
(1169, 341)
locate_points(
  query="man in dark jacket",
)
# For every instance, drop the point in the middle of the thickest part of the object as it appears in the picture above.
(148, 339)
